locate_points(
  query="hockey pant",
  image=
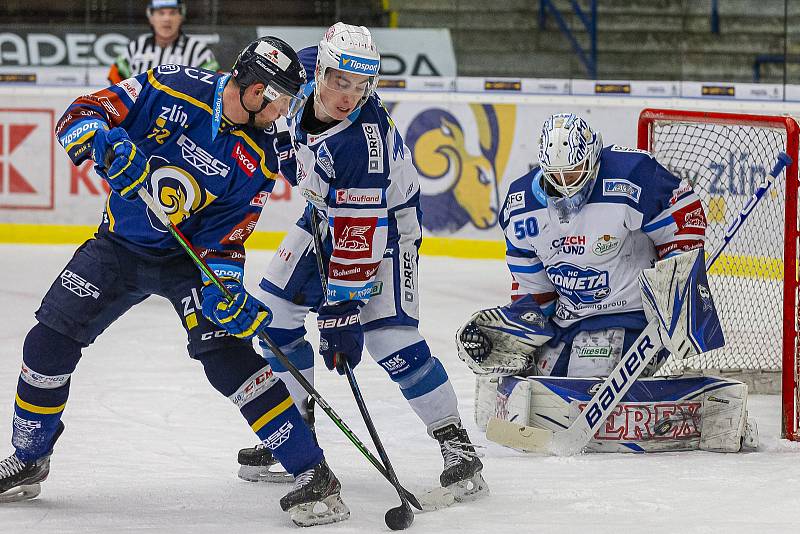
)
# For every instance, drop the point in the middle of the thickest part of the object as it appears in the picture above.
(291, 288)
(593, 347)
(99, 284)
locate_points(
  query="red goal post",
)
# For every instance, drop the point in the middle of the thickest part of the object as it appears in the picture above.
(755, 284)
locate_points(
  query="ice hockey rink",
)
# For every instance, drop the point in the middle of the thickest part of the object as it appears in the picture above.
(151, 447)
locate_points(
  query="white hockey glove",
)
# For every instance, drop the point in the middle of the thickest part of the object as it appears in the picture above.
(676, 293)
(502, 341)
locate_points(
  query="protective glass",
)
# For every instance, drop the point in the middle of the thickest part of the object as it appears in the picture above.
(288, 103)
(347, 83)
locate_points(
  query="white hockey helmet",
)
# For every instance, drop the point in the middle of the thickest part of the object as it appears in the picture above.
(349, 49)
(569, 153)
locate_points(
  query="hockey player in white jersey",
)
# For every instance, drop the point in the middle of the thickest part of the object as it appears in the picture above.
(354, 169)
(580, 228)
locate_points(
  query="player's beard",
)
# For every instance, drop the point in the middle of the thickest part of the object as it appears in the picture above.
(262, 124)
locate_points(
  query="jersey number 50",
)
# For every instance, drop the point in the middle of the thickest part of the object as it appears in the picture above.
(527, 227)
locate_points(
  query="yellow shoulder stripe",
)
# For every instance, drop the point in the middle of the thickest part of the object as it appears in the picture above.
(249, 140)
(177, 94)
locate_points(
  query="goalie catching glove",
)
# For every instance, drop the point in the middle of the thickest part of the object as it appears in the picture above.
(243, 317)
(502, 341)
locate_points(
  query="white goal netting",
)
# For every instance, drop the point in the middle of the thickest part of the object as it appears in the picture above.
(725, 163)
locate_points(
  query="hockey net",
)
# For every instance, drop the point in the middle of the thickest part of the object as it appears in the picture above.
(725, 156)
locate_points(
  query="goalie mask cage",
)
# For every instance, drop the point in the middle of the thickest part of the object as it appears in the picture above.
(754, 283)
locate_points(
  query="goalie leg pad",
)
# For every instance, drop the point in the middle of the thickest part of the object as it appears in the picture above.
(485, 399)
(724, 418)
(657, 414)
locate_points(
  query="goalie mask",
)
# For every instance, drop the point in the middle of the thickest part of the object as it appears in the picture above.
(347, 63)
(274, 63)
(569, 156)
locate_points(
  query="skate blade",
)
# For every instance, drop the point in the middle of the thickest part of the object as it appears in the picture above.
(331, 509)
(469, 489)
(262, 473)
(21, 493)
(435, 499)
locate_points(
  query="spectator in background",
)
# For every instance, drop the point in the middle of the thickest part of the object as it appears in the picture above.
(166, 44)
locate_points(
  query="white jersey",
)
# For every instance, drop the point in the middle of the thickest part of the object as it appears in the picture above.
(637, 212)
(360, 175)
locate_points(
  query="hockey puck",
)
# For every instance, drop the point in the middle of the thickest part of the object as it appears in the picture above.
(400, 517)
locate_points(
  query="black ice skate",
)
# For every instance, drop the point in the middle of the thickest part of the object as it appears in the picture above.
(462, 467)
(256, 464)
(315, 488)
(19, 481)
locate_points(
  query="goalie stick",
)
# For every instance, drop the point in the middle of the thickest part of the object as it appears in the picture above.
(574, 438)
(203, 266)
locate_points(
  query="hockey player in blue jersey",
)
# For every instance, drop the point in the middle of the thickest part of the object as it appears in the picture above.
(202, 144)
(354, 169)
(580, 228)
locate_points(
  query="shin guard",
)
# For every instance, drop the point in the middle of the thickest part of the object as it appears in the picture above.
(49, 358)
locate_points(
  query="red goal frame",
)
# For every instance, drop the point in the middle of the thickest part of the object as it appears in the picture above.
(790, 396)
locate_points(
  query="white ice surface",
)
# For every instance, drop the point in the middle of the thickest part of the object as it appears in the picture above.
(151, 447)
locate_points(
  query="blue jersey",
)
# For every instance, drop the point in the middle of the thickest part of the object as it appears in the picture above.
(211, 177)
(359, 174)
(588, 267)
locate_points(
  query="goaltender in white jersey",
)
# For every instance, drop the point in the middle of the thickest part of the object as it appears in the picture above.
(580, 229)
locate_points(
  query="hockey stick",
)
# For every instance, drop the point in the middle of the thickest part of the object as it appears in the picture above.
(400, 517)
(263, 336)
(574, 438)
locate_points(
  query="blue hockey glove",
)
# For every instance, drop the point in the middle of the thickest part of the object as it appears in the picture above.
(243, 317)
(119, 162)
(341, 336)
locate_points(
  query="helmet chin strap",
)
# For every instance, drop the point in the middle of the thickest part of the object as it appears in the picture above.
(318, 102)
(251, 121)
